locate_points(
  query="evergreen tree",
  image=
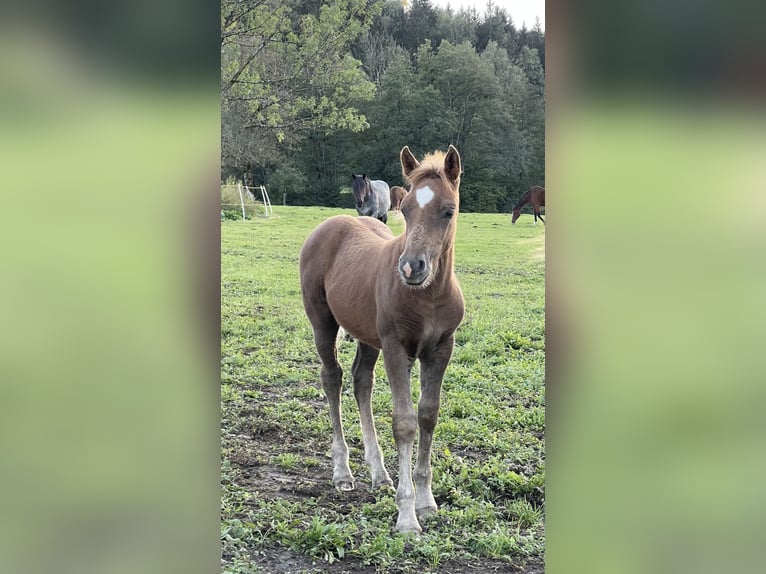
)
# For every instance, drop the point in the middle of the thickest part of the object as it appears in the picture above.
(420, 25)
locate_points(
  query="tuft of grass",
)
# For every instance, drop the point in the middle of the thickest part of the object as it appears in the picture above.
(525, 513)
(286, 460)
(495, 544)
(328, 541)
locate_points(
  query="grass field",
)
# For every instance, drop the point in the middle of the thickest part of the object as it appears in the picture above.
(280, 512)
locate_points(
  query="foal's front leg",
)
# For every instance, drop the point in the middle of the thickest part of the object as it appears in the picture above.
(405, 424)
(432, 370)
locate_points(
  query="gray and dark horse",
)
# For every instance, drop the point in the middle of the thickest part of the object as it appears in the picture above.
(395, 294)
(372, 198)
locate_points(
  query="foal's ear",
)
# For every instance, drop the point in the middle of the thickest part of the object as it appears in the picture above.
(408, 161)
(452, 167)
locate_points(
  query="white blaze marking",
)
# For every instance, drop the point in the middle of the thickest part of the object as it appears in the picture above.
(424, 195)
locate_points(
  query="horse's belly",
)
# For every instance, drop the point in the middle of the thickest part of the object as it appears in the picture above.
(356, 316)
(352, 251)
(350, 293)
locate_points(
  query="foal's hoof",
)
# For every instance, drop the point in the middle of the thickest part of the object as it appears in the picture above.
(344, 485)
(408, 525)
(383, 484)
(409, 531)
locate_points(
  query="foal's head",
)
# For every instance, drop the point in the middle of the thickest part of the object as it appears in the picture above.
(360, 186)
(430, 210)
(516, 214)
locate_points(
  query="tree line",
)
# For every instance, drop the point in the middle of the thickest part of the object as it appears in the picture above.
(313, 91)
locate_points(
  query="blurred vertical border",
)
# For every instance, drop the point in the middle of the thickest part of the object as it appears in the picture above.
(109, 290)
(656, 284)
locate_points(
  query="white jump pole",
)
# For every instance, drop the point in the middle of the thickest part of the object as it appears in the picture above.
(241, 201)
(266, 201)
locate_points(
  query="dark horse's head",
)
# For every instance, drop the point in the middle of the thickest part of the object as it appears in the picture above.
(430, 212)
(516, 209)
(362, 192)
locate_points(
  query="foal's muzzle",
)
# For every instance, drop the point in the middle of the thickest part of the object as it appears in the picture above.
(414, 270)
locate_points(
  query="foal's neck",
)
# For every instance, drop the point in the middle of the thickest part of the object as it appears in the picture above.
(523, 201)
(446, 265)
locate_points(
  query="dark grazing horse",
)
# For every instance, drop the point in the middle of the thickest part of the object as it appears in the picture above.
(372, 198)
(397, 195)
(536, 198)
(395, 294)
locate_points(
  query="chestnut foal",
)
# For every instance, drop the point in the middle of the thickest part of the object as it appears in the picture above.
(395, 294)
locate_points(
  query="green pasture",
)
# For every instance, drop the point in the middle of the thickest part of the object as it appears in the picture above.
(280, 511)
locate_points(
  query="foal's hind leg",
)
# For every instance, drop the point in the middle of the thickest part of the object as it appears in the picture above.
(364, 379)
(325, 332)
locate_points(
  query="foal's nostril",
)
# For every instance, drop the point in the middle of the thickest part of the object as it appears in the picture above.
(413, 270)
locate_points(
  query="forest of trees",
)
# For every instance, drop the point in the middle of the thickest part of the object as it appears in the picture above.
(313, 90)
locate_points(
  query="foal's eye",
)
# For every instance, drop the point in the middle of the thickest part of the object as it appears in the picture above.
(449, 213)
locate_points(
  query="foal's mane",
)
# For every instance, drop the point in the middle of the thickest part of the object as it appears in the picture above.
(432, 165)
